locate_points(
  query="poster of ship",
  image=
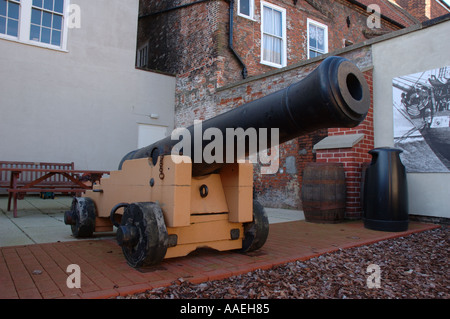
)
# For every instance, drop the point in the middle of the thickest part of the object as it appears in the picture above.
(421, 103)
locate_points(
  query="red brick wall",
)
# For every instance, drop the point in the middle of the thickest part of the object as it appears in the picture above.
(188, 38)
(423, 9)
(247, 33)
(354, 157)
(283, 189)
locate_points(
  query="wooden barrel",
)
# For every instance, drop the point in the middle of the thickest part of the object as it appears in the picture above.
(324, 192)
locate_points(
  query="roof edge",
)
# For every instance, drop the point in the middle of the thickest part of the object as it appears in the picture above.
(386, 18)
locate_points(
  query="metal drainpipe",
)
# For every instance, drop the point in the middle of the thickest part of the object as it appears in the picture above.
(230, 41)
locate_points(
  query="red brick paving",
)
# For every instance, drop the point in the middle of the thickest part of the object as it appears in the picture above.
(39, 271)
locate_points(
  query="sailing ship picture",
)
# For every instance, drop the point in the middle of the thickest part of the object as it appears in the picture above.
(421, 104)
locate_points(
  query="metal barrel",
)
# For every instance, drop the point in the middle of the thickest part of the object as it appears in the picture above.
(335, 94)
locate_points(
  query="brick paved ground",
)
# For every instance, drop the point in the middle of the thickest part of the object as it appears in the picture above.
(39, 270)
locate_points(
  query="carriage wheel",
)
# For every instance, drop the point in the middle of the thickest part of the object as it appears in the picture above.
(256, 232)
(81, 217)
(143, 234)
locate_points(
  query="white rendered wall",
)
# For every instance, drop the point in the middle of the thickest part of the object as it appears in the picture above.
(83, 105)
(418, 51)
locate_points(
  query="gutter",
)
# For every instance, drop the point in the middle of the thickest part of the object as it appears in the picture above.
(172, 9)
(444, 4)
(230, 41)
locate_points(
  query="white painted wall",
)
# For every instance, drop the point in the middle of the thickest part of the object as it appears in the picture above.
(83, 105)
(418, 51)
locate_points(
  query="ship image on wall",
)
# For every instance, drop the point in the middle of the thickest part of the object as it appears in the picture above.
(421, 104)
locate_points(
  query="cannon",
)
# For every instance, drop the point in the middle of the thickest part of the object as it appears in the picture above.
(166, 201)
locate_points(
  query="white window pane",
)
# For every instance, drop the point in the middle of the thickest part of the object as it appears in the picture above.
(268, 21)
(277, 43)
(45, 36)
(312, 31)
(59, 6)
(273, 22)
(36, 16)
(244, 7)
(13, 10)
(13, 27)
(267, 47)
(321, 39)
(56, 37)
(277, 23)
(3, 8)
(2, 25)
(48, 4)
(57, 22)
(312, 36)
(37, 3)
(35, 32)
(143, 57)
(47, 19)
(272, 48)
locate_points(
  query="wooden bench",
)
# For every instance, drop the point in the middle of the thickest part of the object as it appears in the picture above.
(20, 178)
(55, 181)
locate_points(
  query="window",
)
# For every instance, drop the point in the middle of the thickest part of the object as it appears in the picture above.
(46, 21)
(142, 56)
(317, 39)
(273, 30)
(38, 22)
(245, 8)
(9, 17)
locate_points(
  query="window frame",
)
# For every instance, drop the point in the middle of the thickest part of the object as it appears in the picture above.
(142, 54)
(322, 26)
(23, 36)
(283, 37)
(252, 10)
(7, 18)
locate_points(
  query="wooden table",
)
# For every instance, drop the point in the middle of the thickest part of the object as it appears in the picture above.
(77, 181)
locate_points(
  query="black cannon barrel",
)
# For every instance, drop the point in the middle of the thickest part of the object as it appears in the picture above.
(335, 94)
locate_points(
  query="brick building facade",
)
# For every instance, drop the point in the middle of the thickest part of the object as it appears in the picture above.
(192, 40)
(218, 70)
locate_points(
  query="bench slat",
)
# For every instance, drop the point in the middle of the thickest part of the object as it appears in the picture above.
(27, 177)
(54, 190)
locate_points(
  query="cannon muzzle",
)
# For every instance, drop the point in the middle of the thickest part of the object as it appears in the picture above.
(335, 94)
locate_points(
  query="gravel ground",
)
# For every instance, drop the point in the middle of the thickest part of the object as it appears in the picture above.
(411, 267)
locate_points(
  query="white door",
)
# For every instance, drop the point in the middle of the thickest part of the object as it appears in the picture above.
(149, 134)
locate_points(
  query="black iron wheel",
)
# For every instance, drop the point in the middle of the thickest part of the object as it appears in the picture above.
(256, 232)
(82, 217)
(143, 234)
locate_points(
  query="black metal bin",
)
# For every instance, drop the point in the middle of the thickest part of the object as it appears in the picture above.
(385, 200)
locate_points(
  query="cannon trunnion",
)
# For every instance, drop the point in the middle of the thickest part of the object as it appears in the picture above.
(166, 204)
